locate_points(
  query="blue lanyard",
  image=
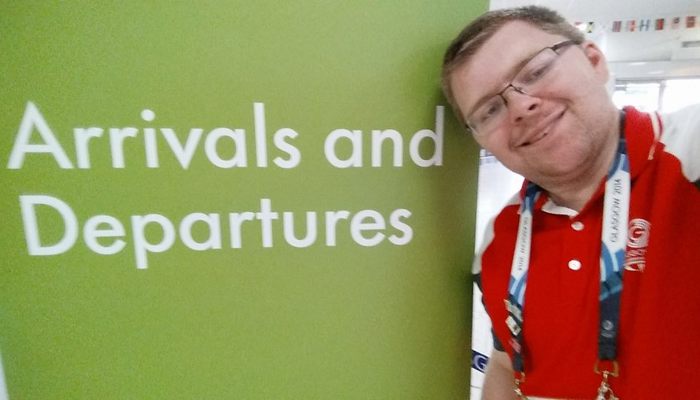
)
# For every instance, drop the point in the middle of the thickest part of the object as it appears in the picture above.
(612, 259)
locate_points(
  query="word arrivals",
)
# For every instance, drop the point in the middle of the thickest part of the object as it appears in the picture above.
(121, 139)
(123, 143)
(104, 234)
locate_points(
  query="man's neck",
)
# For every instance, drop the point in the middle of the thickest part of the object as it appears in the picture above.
(575, 197)
(575, 193)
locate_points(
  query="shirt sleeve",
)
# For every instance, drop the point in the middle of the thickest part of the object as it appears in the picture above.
(681, 136)
(496, 342)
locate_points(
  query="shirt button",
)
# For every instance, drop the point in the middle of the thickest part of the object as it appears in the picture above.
(574, 265)
(577, 226)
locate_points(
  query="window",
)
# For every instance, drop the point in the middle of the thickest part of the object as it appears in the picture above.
(661, 95)
(679, 93)
(642, 95)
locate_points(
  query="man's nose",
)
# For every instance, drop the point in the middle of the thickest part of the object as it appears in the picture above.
(520, 104)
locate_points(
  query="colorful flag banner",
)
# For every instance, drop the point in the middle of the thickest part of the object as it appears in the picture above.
(644, 24)
(690, 21)
(660, 24)
(617, 26)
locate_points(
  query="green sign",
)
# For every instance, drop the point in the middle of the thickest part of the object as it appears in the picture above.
(233, 200)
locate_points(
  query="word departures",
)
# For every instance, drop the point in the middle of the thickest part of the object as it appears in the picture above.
(104, 234)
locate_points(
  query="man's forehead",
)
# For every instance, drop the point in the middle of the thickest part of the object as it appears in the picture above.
(510, 45)
(498, 59)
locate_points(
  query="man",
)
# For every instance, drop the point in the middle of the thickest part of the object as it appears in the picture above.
(591, 276)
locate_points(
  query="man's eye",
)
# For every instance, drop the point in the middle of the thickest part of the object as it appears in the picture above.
(534, 73)
(489, 111)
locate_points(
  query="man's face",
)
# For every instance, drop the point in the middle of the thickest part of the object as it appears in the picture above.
(555, 134)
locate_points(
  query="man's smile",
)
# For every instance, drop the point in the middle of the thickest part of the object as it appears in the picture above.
(540, 131)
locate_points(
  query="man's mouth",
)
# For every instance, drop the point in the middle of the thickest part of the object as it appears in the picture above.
(541, 130)
(536, 138)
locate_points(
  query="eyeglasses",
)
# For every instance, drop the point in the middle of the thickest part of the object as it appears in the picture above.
(533, 76)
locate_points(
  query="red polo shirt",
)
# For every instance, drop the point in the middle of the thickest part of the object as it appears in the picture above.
(659, 337)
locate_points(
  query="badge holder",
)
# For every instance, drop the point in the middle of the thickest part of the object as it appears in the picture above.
(518, 380)
(605, 392)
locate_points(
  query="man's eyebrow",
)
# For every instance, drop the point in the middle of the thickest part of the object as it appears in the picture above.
(513, 70)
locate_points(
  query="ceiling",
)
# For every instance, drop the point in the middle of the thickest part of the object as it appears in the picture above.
(636, 54)
(598, 9)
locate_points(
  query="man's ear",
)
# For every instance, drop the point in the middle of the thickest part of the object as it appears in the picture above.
(597, 59)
